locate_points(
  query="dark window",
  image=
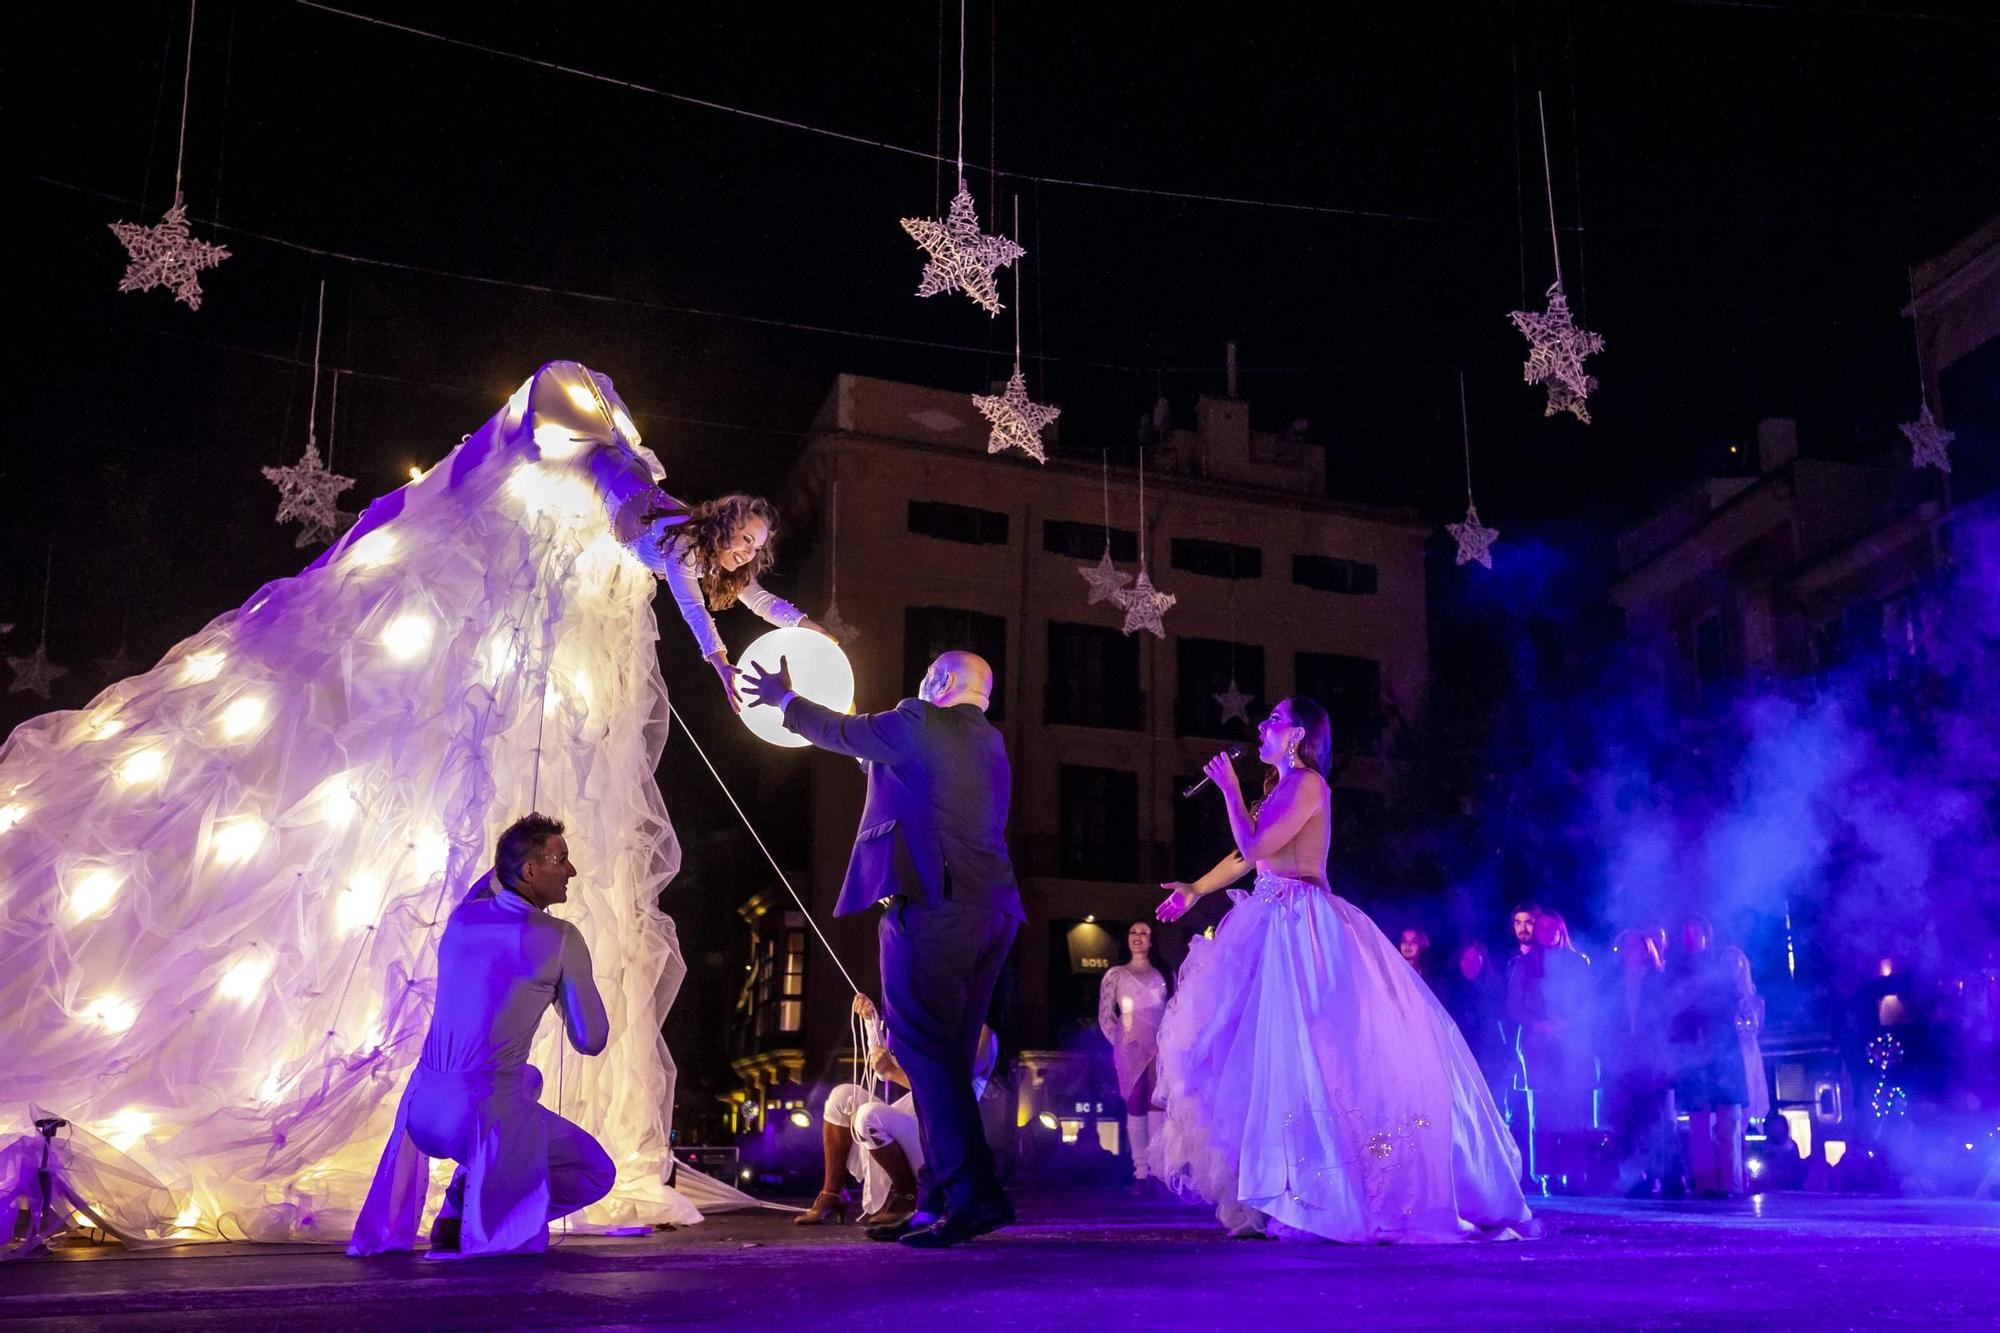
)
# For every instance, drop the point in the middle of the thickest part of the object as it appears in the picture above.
(1093, 677)
(1350, 689)
(1085, 541)
(1219, 560)
(931, 630)
(1201, 830)
(1329, 574)
(958, 523)
(1100, 823)
(1206, 668)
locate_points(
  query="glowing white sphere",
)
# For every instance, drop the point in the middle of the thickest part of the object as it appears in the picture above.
(359, 903)
(202, 667)
(373, 551)
(124, 1130)
(238, 839)
(245, 978)
(142, 766)
(92, 894)
(408, 636)
(112, 1013)
(242, 717)
(820, 672)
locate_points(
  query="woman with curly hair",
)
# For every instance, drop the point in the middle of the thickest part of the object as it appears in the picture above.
(710, 557)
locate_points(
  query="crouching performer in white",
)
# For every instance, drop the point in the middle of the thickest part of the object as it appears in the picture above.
(473, 1096)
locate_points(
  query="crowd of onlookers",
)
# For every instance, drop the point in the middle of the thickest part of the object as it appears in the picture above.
(1594, 1061)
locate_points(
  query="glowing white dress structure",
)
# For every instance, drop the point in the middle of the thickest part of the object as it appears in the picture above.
(224, 880)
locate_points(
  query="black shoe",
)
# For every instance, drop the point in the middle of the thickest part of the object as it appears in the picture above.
(899, 1227)
(955, 1228)
(445, 1235)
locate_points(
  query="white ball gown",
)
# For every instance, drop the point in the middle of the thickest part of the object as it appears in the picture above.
(225, 879)
(1309, 1074)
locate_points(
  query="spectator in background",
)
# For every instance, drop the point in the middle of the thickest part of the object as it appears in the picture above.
(1549, 995)
(1415, 946)
(1476, 997)
(1708, 1067)
(1131, 1000)
(1749, 1033)
(1639, 1103)
(1783, 1169)
(1522, 922)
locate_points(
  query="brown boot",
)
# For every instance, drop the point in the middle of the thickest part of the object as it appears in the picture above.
(902, 1200)
(830, 1204)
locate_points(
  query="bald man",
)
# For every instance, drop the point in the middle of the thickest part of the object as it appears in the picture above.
(933, 848)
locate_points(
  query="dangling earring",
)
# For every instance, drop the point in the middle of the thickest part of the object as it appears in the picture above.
(1292, 755)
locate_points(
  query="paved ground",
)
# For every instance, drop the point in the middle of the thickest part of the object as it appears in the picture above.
(1082, 1261)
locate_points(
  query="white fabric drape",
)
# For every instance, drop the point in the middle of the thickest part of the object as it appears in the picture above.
(225, 879)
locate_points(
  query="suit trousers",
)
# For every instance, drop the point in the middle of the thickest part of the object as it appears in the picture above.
(939, 965)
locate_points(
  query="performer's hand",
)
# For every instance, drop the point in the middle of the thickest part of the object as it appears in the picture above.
(883, 1061)
(730, 677)
(808, 622)
(864, 1007)
(767, 687)
(1221, 770)
(1180, 897)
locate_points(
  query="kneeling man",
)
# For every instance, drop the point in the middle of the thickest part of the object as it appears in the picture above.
(473, 1097)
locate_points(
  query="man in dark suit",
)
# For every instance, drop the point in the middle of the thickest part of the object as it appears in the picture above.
(933, 847)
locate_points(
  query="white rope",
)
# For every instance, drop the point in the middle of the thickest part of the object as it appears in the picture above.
(1548, 185)
(776, 869)
(312, 405)
(187, 81)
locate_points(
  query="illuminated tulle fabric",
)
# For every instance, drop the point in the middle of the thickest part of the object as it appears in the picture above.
(1309, 1074)
(224, 880)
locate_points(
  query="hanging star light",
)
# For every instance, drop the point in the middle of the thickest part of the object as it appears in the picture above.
(962, 258)
(1556, 348)
(1144, 606)
(34, 673)
(1017, 422)
(166, 255)
(1475, 541)
(1105, 579)
(1929, 442)
(1235, 703)
(308, 492)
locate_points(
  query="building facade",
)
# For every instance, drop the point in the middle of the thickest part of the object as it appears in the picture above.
(925, 542)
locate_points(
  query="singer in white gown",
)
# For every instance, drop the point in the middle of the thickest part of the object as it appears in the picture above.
(1313, 1086)
(226, 878)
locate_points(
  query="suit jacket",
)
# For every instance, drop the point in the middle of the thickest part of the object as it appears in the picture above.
(934, 826)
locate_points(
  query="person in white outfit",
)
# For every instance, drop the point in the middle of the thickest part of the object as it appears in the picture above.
(502, 963)
(877, 1142)
(1313, 1085)
(1131, 1000)
(710, 557)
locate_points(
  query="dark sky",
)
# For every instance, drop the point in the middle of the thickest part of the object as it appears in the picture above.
(1751, 181)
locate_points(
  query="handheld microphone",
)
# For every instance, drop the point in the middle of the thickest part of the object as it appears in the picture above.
(1234, 752)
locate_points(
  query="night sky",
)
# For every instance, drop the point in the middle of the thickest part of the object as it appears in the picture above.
(1740, 186)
